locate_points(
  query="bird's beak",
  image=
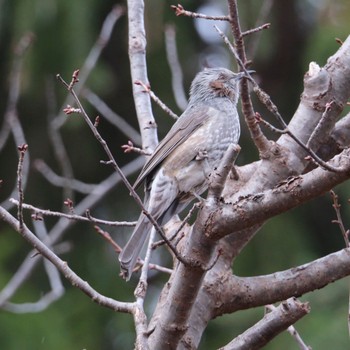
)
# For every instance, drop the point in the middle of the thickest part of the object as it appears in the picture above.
(245, 74)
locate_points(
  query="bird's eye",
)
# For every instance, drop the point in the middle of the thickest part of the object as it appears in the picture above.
(222, 76)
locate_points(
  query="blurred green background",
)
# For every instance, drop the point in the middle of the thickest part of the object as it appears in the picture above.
(301, 31)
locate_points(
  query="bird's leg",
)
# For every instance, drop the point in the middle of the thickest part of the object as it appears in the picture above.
(202, 156)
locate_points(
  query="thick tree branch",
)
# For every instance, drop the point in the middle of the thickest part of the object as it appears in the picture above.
(330, 84)
(239, 293)
(271, 325)
(172, 322)
(258, 207)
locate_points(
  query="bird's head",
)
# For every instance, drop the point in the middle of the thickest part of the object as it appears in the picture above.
(215, 82)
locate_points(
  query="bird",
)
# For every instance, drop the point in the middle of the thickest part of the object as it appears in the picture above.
(178, 171)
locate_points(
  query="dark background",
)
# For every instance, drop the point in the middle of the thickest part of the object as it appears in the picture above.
(65, 31)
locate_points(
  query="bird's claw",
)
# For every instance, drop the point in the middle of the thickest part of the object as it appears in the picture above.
(202, 155)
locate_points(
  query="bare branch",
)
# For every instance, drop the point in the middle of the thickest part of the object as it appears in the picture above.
(108, 238)
(138, 66)
(60, 181)
(339, 220)
(173, 318)
(57, 289)
(93, 56)
(129, 147)
(264, 98)
(58, 230)
(156, 99)
(345, 234)
(57, 122)
(75, 217)
(257, 29)
(258, 207)
(180, 11)
(175, 67)
(218, 177)
(111, 116)
(62, 266)
(240, 293)
(22, 151)
(325, 125)
(292, 331)
(11, 121)
(141, 289)
(270, 326)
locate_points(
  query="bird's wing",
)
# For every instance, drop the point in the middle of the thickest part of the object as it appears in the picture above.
(184, 127)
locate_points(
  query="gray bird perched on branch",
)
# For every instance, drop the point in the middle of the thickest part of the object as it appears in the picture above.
(179, 168)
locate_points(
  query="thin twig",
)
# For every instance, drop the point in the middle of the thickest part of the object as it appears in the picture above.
(257, 29)
(129, 147)
(339, 220)
(22, 151)
(214, 261)
(233, 50)
(156, 99)
(345, 234)
(181, 226)
(75, 217)
(151, 266)
(108, 238)
(327, 121)
(260, 119)
(180, 11)
(159, 268)
(59, 149)
(141, 289)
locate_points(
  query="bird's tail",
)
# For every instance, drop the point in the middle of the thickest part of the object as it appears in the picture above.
(133, 247)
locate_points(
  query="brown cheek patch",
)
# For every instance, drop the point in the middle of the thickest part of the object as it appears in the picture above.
(217, 85)
(221, 89)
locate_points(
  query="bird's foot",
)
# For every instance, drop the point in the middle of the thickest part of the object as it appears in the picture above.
(202, 154)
